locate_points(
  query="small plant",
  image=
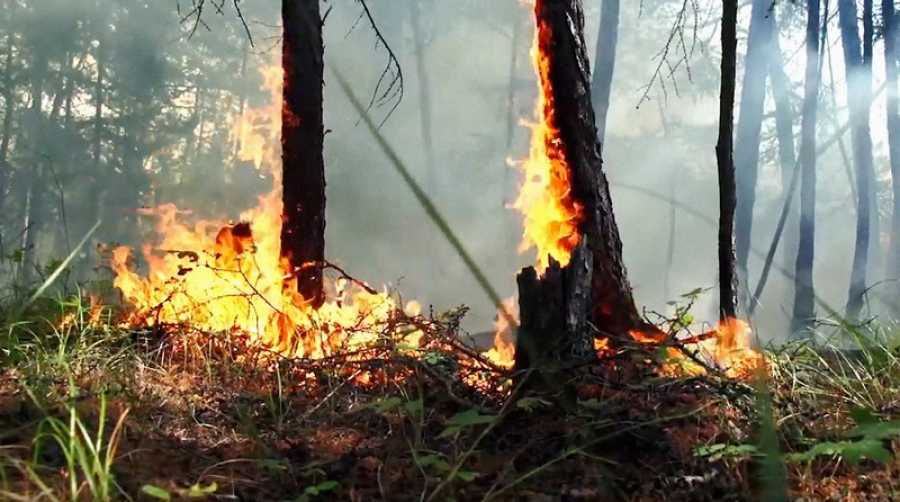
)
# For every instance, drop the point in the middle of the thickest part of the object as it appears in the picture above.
(89, 457)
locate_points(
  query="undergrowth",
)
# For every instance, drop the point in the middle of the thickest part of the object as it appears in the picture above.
(93, 411)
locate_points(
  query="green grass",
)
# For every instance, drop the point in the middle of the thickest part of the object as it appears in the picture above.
(90, 411)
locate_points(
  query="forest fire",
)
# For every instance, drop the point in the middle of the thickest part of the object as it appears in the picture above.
(218, 276)
(551, 213)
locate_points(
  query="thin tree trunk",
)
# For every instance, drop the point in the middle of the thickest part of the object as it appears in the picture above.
(605, 64)
(302, 140)
(673, 215)
(31, 206)
(746, 147)
(9, 109)
(424, 94)
(787, 154)
(893, 128)
(97, 140)
(804, 291)
(858, 64)
(725, 160)
(511, 93)
(594, 285)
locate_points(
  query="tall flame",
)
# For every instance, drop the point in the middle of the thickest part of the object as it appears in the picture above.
(217, 276)
(551, 214)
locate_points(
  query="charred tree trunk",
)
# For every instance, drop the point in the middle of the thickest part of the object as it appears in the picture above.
(893, 128)
(593, 286)
(746, 148)
(725, 160)
(858, 65)
(804, 291)
(605, 64)
(302, 140)
(97, 140)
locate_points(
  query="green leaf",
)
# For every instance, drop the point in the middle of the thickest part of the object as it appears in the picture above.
(436, 462)
(693, 293)
(156, 492)
(466, 476)
(414, 408)
(530, 404)
(721, 450)
(198, 491)
(876, 430)
(471, 417)
(850, 451)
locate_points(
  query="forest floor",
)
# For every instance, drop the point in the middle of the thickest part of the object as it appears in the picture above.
(113, 413)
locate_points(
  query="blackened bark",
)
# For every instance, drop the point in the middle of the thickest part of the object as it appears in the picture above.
(746, 147)
(554, 310)
(725, 160)
(605, 64)
(858, 65)
(597, 260)
(893, 128)
(804, 291)
(302, 140)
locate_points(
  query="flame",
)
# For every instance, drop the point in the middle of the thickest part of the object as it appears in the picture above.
(221, 276)
(503, 353)
(734, 349)
(551, 215)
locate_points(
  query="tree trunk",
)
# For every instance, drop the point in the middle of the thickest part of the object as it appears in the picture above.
(97, 140)
(725, 160)
(9, 109)
(893, 128)
(804, 291)
(746, 148)
(597, 260)
(787, 154)
(424, 93)
(858, 64)
(605, 64)
(302, 140)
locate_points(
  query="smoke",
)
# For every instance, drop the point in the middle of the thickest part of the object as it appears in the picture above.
(161, 143)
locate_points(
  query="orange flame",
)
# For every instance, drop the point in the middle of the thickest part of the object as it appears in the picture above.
(218, 276)
(503, 353)
(551, 215)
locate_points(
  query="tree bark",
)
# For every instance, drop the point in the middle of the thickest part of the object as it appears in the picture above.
(893, 128)
(858, 65)
(597, 261)
(605, 64)
(302, 140)
(804, 290)
(725, 160)
(787, 154)
(9, 109)
(746, 148)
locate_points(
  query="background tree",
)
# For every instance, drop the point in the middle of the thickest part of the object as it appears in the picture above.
(746, 148)
(804, 291)
(858, 65)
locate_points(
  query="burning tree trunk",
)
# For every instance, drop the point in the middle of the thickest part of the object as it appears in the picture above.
(302, 140)
(605, 64)
(746, 153)
(858, 64)
(727, 195)
(592, 285)
(893, 126)
(804, 292)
